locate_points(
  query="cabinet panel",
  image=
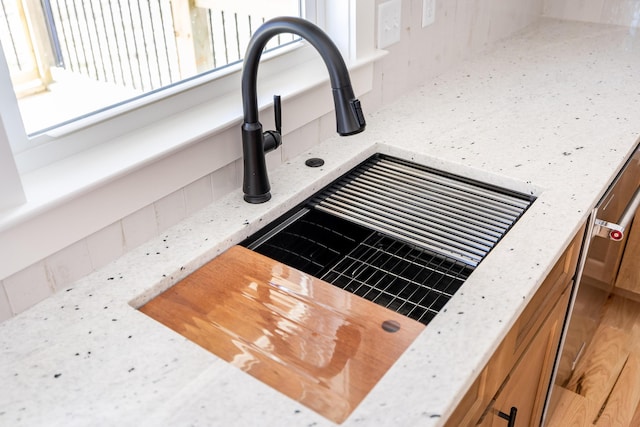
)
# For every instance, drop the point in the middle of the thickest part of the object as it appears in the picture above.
(474, 403)
(628, 280)
(526, 386)
(543, 302)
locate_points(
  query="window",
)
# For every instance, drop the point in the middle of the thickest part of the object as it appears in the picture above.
(35, 146)
(70, 59)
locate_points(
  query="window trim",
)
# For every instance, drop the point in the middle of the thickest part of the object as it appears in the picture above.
(46, 147)
(338, 17)
(89, 132)
(11, 130)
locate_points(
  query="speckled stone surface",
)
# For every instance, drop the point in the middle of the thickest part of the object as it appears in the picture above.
(553, 112)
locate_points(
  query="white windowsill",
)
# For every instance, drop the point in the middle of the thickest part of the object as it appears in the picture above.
(134, 162)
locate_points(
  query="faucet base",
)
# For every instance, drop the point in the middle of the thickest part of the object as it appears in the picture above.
(255, 199)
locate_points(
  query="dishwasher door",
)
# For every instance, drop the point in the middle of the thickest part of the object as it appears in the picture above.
(600, 262)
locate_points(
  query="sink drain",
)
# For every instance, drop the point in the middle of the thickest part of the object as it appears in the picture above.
(390, 326)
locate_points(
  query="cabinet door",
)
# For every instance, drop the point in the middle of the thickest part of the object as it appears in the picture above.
(628, 280)
(526, 386)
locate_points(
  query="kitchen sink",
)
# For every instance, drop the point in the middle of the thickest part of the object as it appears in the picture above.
(396, 233)
(391, 232)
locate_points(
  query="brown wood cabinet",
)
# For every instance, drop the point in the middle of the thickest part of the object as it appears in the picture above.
(519, 373)
(526, 386)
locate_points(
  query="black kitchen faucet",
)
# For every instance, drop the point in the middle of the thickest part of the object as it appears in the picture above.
(255, 142)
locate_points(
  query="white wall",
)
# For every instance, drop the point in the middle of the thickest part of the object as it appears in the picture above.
(462, 28)
(618, 12)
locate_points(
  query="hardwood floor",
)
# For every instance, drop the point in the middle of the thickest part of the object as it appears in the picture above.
(604, 389)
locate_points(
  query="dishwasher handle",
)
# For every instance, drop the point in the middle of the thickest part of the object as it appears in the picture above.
(615, 231)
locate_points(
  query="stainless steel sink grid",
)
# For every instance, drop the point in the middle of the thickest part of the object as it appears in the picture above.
(398, 234)
(458, 218)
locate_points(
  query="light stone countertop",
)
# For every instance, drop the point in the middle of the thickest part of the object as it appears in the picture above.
(554, 112)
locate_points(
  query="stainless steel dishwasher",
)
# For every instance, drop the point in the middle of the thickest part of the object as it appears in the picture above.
(598, 268)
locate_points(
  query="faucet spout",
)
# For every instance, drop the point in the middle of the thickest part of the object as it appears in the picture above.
(349, 117)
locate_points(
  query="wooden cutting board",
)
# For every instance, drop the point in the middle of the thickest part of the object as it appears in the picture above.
(312, 341)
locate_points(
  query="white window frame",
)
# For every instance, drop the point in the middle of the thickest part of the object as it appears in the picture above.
(64, 176)
(338, 17)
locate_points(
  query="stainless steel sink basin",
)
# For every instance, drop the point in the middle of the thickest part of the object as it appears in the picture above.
(396, 233)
